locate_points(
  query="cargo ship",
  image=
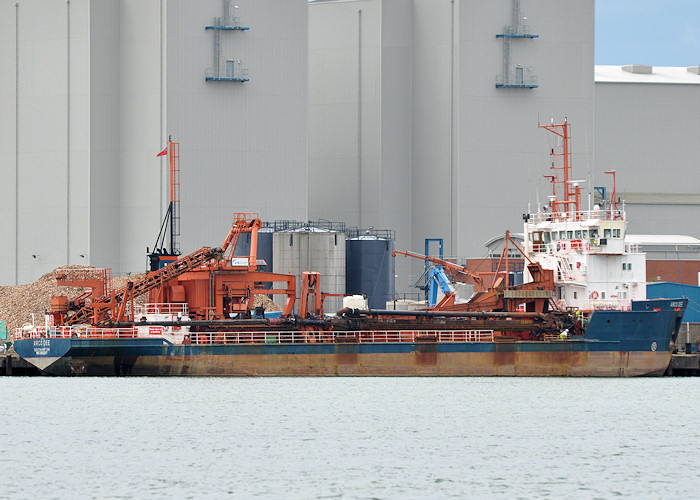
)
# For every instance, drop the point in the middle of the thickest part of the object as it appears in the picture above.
(614, 344)
(580, 311)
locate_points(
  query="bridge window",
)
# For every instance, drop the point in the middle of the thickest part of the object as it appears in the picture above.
(607, 233)
(578, 234)
(616, 233)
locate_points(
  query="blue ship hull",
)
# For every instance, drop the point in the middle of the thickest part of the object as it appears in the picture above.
(616, 343)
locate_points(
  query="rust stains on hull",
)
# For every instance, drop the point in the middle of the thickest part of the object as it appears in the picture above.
(421, 362)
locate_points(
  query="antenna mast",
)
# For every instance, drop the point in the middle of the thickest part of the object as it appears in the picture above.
(566, 193)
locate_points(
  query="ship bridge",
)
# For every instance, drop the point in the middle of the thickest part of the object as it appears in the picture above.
(595, 231)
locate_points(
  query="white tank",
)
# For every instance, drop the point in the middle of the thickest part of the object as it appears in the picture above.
(312, 249)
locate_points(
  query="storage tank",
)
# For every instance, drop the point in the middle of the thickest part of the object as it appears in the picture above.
(369, 267)
(312, 249)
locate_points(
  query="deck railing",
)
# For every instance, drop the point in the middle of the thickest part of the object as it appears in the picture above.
(173, 308)
(270, 336)
(607, 215)
(66, 332)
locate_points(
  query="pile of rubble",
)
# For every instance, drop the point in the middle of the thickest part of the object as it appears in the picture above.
(19, 303)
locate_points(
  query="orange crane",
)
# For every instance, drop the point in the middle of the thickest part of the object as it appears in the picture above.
(478, 281)
(243, 223)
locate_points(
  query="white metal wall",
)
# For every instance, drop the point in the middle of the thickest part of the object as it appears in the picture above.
(476, 155)
(501, 155)
(91, 89)
(103, 123)
(44, 154)
(244, 145)
(360, 100)
(101, 86)
(9, 160)
(141, 133)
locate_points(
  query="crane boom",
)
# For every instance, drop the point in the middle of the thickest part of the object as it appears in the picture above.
(243, 223)
(445, 263)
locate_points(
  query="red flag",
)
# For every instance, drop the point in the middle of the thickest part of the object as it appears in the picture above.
(164, 152)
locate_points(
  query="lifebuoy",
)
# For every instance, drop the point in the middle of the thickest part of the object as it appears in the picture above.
(594, 295)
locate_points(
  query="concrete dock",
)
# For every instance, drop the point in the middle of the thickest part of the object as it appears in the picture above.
(685, 365)
(12, 364)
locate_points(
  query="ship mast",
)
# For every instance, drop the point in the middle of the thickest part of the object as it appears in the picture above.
(614, 209)
(566, 193)
(174, 207)
(160, 255)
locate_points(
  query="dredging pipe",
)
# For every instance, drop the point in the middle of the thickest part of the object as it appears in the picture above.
(225, 322)
(352, 312)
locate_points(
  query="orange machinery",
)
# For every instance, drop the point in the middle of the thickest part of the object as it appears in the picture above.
(215, 285)
(534, 296)
(227, 288)
(113, 307)
(97, 280)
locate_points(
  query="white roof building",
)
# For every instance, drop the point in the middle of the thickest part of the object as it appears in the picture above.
(666, 246)
(642, 73)
(646, 129)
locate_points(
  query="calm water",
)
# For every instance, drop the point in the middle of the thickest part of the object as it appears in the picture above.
(350, 438)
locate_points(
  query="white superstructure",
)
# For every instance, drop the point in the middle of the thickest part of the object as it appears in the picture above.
(594, 266)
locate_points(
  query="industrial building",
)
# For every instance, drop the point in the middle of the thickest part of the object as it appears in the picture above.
(416, 116)
(91, 90)
(646, 128)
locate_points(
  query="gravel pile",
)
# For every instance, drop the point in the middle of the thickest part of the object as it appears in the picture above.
(17, 303)
(266, 303)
